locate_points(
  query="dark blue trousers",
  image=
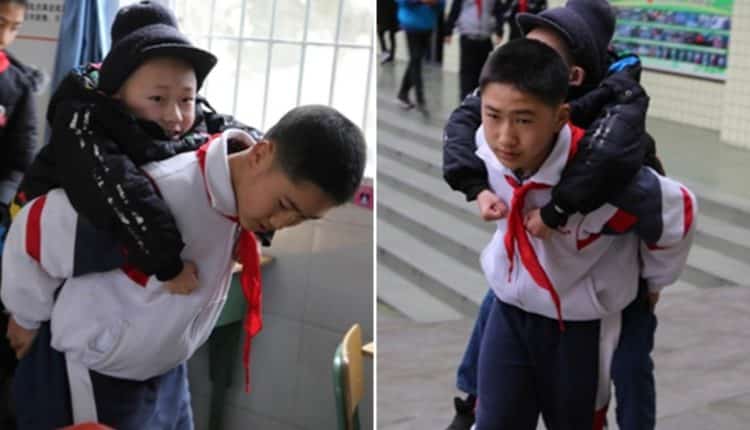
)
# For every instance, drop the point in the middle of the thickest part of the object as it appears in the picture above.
(632, 367)
(42, 395)
(528, 367)
(466, 377)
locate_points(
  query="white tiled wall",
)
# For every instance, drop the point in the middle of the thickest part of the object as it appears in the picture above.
(735, 121)
(319, 285)
(696, 102)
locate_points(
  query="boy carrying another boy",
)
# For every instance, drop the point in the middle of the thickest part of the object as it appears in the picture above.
(548, 342)
(117, 338)
(119, 341)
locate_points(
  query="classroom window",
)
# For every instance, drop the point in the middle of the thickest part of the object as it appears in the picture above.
(277, 54)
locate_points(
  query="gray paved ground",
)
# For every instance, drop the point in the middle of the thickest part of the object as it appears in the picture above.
(703, 337)
(701, 359)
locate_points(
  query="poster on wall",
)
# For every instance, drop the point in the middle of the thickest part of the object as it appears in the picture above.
(689, 37)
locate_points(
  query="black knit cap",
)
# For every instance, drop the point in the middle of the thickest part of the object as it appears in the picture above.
(144, 31)
(586, 25)
(131, 18)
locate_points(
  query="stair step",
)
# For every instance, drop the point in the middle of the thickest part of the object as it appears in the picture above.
(443, 223)
(716, 227)
(411, 300)
(717, 264)
(733, 210)
(702, 259)
(426, 133)
(400, 145)
(467, 282)
(434, 187)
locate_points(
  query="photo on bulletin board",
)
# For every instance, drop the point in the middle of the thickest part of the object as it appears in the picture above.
(688, 37)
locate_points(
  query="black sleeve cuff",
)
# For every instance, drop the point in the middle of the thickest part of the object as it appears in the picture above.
(472, 190)
(170, 271)
(552, 217)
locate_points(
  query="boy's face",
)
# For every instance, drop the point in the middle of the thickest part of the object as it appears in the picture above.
(267, 199)
(11, 18)
(162, 90)
(519, 128)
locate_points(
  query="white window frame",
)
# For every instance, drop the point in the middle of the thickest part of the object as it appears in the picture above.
(304, 43)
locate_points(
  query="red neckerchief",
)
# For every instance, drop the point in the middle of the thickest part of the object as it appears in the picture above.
(479, 9)
(516, 233)
(523, 6)
(4, 61)
(250, 279)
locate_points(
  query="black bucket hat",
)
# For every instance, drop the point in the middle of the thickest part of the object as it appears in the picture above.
(145, 31)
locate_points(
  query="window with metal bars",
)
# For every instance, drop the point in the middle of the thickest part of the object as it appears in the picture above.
(277, 54)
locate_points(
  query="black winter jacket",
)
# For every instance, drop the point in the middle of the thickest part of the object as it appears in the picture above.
(614, 148)
(100, 174)
(18, 133)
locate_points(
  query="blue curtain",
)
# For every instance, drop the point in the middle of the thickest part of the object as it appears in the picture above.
(84, 34)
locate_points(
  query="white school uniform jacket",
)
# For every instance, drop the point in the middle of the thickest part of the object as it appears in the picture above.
(589, 268)
(121, 323)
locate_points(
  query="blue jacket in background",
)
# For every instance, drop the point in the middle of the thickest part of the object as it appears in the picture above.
(413, 15)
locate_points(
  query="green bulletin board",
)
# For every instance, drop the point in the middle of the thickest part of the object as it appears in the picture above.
(689, 37)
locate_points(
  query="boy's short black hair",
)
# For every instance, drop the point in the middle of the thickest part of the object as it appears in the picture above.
(318, 144)
(531, 67)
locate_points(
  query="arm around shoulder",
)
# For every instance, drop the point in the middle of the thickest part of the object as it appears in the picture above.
(110, 190)
(610, 153)
(462, 169)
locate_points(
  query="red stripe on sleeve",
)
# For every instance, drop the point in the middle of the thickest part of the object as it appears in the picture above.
(34, 229)
(576, 134)
(135, 275)
(688, 208)
(622, 221)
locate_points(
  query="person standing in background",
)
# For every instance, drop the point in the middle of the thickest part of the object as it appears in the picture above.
(476, 21)
(418, 19)
(522, 6)
(18, 139)
(17, 115)
(387, 23)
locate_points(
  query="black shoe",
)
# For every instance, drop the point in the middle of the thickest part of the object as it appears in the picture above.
(464, 418)
(387, 59)
(404, 102)
(422, 108)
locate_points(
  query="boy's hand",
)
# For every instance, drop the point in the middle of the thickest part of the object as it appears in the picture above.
(534, 224)
(20, 339)
(186, 282)
(491, 208)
